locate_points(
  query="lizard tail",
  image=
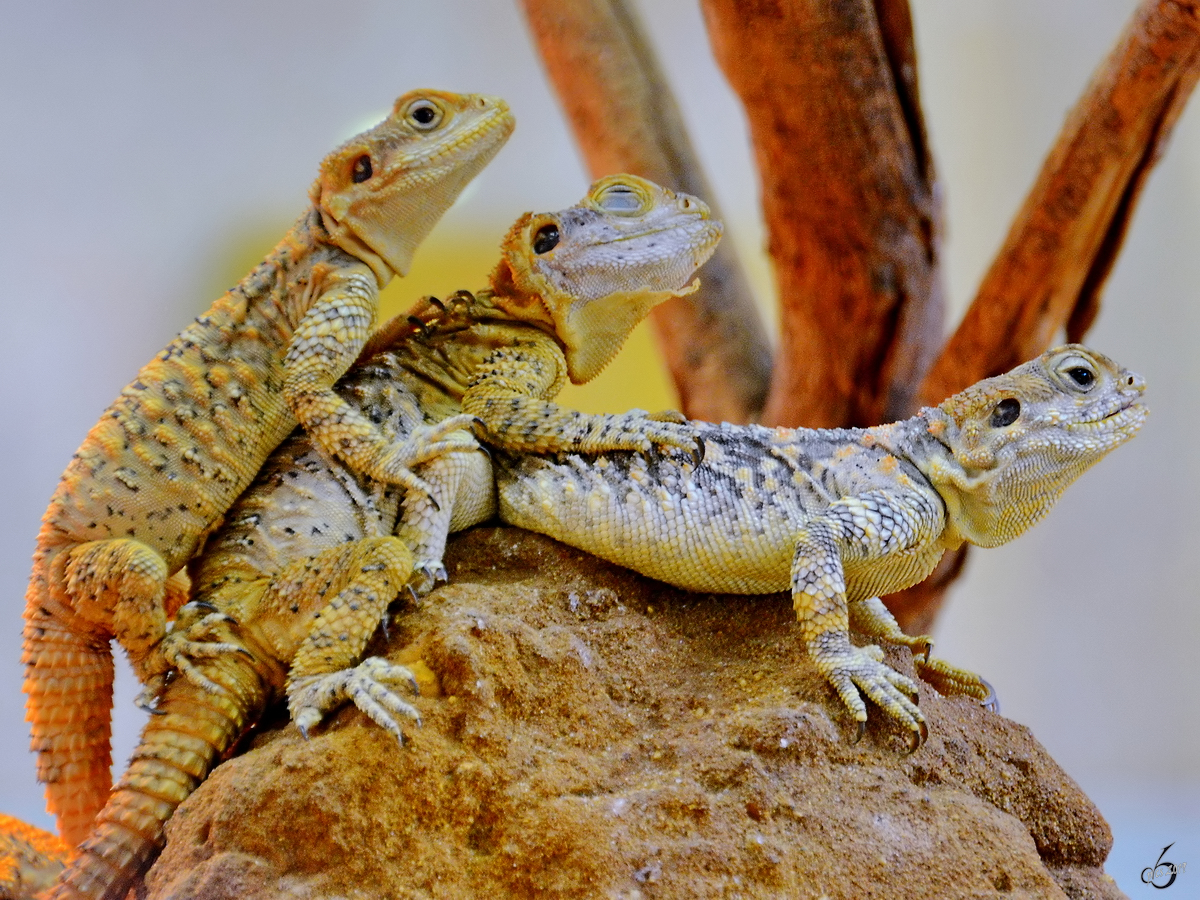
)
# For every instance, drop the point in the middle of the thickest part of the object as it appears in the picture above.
(68, 683)
(179, 747)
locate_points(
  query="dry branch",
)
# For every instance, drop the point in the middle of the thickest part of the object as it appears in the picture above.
(830, 92)
(1062, 245)
(625, 119)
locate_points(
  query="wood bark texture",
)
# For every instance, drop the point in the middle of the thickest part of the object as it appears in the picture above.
(1065, 239)
(848, 194)
(625, 119)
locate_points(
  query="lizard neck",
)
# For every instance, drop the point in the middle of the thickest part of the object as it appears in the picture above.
(918, 440)
(590, 331)
(322, 228)
(970, 495)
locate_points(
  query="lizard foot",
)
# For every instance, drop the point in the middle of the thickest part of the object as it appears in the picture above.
(863, 668)
(668, 415)
(423, 444)
(368, 685)
(947, 679)
(198, 635)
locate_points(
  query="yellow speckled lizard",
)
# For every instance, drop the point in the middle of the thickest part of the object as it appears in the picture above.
(842, 516)
(182, 441)
(291, 588)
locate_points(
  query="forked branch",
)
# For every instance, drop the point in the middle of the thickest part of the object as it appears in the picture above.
(625, 119)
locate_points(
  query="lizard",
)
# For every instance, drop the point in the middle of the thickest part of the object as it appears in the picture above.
(30, 859)
(841, 516)
(167, 459)
(291, 588)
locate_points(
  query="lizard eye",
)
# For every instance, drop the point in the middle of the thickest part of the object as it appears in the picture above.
(546, 239)
(1085, 378)
(362, 169)
(1006, 412)
(424, 115)
(619, 198)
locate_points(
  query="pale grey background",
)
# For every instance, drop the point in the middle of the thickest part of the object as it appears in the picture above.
(141, 142)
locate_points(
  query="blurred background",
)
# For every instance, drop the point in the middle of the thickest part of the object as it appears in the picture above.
(152, 153)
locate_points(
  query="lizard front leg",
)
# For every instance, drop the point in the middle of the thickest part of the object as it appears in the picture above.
(325, 344)
(509, 393)
(363, 577)
(865, 528)
(464, 488)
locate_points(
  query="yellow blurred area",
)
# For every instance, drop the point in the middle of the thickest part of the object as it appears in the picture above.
(452, 260)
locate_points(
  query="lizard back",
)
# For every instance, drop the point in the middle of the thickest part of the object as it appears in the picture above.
(727, 525)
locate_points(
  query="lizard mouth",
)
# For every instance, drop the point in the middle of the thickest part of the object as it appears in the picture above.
(1124, 417)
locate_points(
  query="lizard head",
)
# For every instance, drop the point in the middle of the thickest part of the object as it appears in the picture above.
(382, 192)
(1015, 442)
(591, 273)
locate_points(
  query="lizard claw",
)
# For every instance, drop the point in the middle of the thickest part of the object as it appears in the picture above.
(916, 739)
(862, 729)
(992, 701)
(698, 452)
(148, 697)
(853, 669)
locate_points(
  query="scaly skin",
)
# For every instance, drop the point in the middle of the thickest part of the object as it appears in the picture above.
(291, 588)
(183, 440)
(842, 516)
(30, 859)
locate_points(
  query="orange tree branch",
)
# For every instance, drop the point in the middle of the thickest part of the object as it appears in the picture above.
(830, 91)
(1063, 242)
(625, 119)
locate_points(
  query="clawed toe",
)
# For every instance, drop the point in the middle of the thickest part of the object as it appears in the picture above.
(859, 670)
(427, 575)
(992, 701)
(367, 685)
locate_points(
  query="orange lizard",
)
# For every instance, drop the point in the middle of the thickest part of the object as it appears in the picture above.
(291, 588)
(155, 476)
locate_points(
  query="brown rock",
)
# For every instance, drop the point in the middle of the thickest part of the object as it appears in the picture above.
(591, 733)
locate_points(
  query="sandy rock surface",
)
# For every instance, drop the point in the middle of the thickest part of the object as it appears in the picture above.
(591, 733)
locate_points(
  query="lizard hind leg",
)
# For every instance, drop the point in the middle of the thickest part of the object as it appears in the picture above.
(872, 618)
(120, 587)
(79, 598)
(363, 577)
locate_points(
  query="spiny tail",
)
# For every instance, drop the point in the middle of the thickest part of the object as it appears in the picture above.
(68, 682)
(179, 747)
